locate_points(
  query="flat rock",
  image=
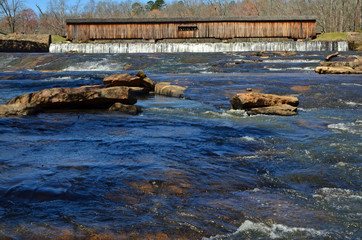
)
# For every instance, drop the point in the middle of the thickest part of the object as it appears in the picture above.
(337, 70)
(255, 100)
(15, 110)
(122, 80)
(283, 110)
(68, 98)
(166, 89)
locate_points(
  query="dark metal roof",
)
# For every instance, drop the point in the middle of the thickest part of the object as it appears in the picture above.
(187, 20)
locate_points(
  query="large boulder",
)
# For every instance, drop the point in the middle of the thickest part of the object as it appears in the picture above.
(254, 100)
(166, 89)
(260, 103)
(67, 98)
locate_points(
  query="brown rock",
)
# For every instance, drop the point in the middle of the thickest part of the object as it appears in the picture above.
(284, 110)
(68, 98)
(353, 66)
(165, 88)
(337, 70)
(145, 81)
(127, 66)
(255, 100)
(329, 57)
(124, 108)
(14, 110)
(148, 83)
(122, 80)
(141, 74)
(335, 64)
(139, 80)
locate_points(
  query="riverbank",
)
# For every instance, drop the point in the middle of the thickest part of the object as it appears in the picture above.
(354, 39)
(25, 43)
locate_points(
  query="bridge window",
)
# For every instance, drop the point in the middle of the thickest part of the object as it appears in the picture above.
(187, 28)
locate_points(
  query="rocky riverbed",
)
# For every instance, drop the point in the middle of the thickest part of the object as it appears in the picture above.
(119, 92)
(186, 167)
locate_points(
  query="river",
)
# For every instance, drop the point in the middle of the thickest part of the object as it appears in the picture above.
(187, 168)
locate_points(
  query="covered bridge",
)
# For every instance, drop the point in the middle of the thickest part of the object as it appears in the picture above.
(188, 28)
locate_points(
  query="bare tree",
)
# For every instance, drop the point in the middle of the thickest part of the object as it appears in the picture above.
(10, 9)
(28, 21)
(89, 9)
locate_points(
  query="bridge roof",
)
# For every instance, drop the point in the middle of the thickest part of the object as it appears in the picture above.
(187, 20)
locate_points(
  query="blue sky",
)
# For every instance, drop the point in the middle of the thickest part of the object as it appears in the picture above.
(43, 3)
(32, 4)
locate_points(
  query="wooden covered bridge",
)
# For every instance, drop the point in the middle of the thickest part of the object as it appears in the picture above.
(191, 28)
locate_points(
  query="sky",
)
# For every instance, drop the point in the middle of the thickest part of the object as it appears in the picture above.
(32, 4)
(43, 3)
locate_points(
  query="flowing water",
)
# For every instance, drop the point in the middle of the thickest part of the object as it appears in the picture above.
(184, 168)
(162, 47)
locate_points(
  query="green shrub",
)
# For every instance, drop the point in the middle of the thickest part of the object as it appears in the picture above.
(58, 39)
(336, 36)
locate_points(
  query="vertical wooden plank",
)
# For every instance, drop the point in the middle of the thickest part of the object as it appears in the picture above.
(227, 29)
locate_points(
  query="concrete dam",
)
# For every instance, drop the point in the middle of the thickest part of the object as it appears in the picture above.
(197, 47)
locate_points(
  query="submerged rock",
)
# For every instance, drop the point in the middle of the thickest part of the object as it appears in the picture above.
(139, 91)
(259, 103)
(85, 97)
(301, 89)
(125, 108)
(166, 89)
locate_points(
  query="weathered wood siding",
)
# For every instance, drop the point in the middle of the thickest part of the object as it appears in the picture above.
(228, 29)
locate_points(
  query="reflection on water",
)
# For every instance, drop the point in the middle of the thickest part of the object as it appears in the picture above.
(185, 168)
